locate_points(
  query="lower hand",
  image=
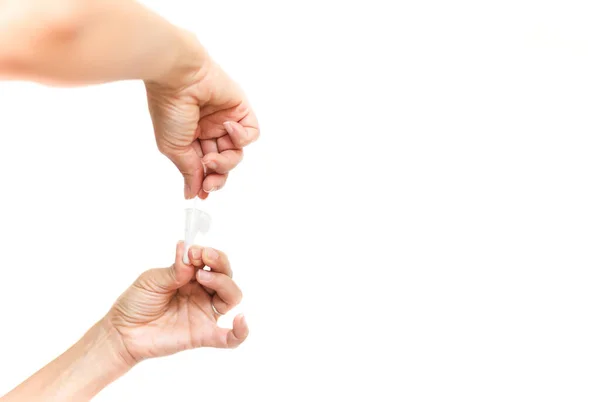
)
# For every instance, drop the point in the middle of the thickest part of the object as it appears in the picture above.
(169, 310)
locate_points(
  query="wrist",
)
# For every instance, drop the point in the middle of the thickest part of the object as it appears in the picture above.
(108, 342)
(96, 360)
(189, 63)
(81, 372)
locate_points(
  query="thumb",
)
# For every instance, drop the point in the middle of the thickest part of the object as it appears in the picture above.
(172, 278)
(189, 163)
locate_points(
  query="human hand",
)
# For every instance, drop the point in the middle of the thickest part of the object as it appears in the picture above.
(202, 121)
(169, 310)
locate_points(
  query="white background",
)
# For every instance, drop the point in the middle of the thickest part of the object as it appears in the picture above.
(419, 221)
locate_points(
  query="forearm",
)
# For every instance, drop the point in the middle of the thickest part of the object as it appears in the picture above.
(74, 42)
(79, 373)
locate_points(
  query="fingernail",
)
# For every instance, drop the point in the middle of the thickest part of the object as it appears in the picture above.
(196, 254)
(203, 275)
(211, 165)
(211, 254)
(228, 127)
(211, 190)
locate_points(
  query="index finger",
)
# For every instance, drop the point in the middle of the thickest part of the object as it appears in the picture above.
(215, 259)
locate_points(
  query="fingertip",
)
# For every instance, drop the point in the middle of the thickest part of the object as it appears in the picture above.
(210, 162)
(195, 255)
(182, 270)
(242, 319)
(187, 192)
(253, 135)
(238, 133)
(181, 255)
(210, 255)
(214, 182)
(203, 275)
(232, 338)
(229, 127)
(240, 327)
(192, 185)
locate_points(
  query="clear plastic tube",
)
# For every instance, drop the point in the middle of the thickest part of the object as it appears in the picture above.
(196, 222)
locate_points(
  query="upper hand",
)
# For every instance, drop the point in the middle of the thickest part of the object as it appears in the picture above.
(202, 124)
(169, 310)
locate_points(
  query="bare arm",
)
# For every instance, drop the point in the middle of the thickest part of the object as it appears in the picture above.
(79, 373)
(79, 42)
(202, 119)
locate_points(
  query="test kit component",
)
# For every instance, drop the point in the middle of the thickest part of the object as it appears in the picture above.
(196, 222)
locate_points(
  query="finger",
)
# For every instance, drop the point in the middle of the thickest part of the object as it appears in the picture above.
(189, 163)
(220, 306)
(195, 256)
(241, 135)
(232, 338)
(214, 182)
(223, 162)
(217, 261)
(172, 278)
(201, 193)
(251, 124)
(209, 146)
(228, 294)
(224, 143)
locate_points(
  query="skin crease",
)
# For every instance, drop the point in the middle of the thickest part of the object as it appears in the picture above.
(165, 311)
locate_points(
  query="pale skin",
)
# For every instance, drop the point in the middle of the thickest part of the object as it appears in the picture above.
(202, 123)
(165, 311)
(202, 119)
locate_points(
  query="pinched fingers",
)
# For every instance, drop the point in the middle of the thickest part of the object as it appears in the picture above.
(215, 259)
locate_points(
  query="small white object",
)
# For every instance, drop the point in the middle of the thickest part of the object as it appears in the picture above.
(196, 222)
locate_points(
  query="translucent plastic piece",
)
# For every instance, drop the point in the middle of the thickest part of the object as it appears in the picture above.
(196, 222)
